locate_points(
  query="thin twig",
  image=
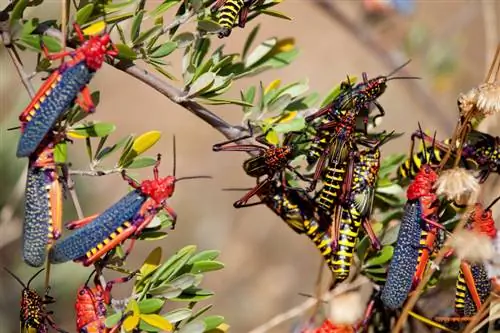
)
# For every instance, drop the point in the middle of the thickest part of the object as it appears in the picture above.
(364, 36)
(94, 173)
(309, 303)
(481, 312)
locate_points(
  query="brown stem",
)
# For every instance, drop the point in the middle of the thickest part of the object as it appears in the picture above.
(419, 91)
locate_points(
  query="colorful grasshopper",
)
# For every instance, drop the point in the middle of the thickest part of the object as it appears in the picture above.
(229, 11)
(43, 206)
(91, 306)
(473, 285)
(34, 316)
(61, 88)
(98, 234)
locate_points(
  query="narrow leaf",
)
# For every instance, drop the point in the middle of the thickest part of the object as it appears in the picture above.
(211, 322)
(95, 28)
(83, 14)
(178, 315)
(381, 258)
(260, 52)
(150, 305)
(133, 320)
(157, 321)
(166, 5)
(136, 25)
(221, 101)
(164, 50)
(97, 129)
(204, 255)
(140, 162)
(204, 82)
(61, 153)
(144, 36)
(151, 263)
(193, 327)
(249, 41)
(125, 52)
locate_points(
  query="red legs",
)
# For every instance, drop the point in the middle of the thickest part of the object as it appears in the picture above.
(243, 201)
(52, 323)
(85, 100)
(244, 14)
(471, 284)
(80, 223)
(79, 32)
(371, 235)
(217, 5)
(173, 215)
(130, 181)
(53, 56)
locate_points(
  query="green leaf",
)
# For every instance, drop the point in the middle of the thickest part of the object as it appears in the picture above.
(211, 322)
(382, 257)
(206, 266)
(144, 36)
(260, 52)
(164, 73)
(193, 327)
(18, 11)
(96, 129)
(279, 60)
(113, 319)
(203, 83)
(221, 101)
(393, 189)
(178, 315)
(125, 52)
(164, 50)
(174, 263)
(152, 235)
(194, 295)
(184, 281)
(279, 104)
(375, 270)
(208, 25)
(83, 14)
(220, 85)
(150, 305)
(184, 39)
(275, 13)
(136, 24)
(166, 5)
(157, 321)
(118, 18)
(200, 312)
(201, 49)
(28, 27)
(249, 41)
(33, 42)
(145, 327)
(294, 89)
(296, 124)
(105, 152)
(140, 162)
(166, 291)
(61, 153)
(204, 256)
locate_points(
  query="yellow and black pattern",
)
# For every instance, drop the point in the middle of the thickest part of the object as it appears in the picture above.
(410, 167)
(460, 293)
(348, 235)
(321, 239)
(228, 15)
(333, 180)
(109, 239)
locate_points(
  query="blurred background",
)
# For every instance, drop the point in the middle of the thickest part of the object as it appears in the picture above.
(451, 44)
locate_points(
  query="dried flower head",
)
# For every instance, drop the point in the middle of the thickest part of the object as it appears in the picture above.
(347, 308)
(483, 100)
(472, 246)
(493, 265)
(456, 184)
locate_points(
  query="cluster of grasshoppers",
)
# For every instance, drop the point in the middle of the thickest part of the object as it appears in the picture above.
(333, 216)
(97, 235)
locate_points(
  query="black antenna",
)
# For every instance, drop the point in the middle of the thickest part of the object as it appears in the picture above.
(13, 128)
(404, 78)
(492, 203)
(19, 280)
(422, 138)
(433, 144)
(192, 177)
(88, 279)
(383, 140)
(237, 189)
(174, 167)
(398, 69)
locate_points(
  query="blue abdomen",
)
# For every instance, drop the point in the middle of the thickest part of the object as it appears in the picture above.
(37, 218)
(90, 235)
(404, 261)
(73, 79)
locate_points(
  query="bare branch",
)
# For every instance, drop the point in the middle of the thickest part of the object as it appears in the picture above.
(418, 89)
(94, 173)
